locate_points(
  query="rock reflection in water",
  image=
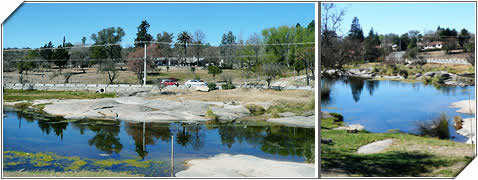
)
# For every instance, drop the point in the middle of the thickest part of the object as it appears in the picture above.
(113, 137)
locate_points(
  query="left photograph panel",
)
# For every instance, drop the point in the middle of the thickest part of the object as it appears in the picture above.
(159, 90)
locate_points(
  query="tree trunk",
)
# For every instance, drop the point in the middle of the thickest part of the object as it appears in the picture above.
(306, 72)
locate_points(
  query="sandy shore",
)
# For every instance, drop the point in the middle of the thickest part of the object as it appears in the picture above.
(226, 165)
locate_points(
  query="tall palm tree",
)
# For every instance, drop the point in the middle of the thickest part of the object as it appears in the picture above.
(185, 38)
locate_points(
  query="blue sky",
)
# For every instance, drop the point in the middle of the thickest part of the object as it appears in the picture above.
(399, 18)
(35, 24)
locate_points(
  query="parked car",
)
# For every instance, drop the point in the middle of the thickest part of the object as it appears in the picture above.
(190, 83)
(169, 82)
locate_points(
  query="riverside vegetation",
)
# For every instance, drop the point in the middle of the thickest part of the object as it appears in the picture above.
(410, 155)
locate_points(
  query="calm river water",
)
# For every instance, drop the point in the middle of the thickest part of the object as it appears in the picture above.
(106, 140)
(384, 105)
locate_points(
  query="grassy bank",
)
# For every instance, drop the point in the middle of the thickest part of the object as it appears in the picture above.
(19, 95)
(102, 173)
(409, 155)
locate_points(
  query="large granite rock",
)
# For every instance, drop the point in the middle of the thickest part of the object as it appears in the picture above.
(142, 109)
(226, 165)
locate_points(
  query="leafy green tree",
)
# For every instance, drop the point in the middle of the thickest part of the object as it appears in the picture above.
(299, 66)
(356, 32)
(46, 52)
(311, 26)
(110, 54)
(280, 35)
(83, 41)
(211, 69)
(60, 57)
(404, 41)
(463, 37)
(28, 63)
(370, 46)
(142, 34)
(185, 39)
(227, 48)
(165, 50)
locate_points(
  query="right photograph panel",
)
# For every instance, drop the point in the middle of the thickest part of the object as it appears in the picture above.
(397, 89)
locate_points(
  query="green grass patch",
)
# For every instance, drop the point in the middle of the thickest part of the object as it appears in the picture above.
(83, 173)
(297, 108)
(410, 155)
(210, 115)
(19, 95)
(255, 109)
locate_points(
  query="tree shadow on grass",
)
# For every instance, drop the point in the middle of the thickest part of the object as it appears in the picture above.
(390, 164)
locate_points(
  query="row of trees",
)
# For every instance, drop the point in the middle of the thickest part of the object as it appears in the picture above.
(338, 50)
(107, 54)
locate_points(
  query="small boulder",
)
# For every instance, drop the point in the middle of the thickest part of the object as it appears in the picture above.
(202, 88)
(352, 131)
(418, 75)
(430, 74)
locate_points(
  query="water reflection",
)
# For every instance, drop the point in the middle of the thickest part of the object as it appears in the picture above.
(393, 104)
(112, 137)
(357, 85)
(145, 134)
(106, 138)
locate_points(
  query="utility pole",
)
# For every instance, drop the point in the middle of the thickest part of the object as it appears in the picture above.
(144, 69)
(172, 156)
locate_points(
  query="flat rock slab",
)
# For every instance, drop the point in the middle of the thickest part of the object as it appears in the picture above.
(286, 114)
(326, 115)
(295, 121)
(465, 106)
(468, 129)
(141, 109)
(375, 147)
(226, 165)
(358, 127)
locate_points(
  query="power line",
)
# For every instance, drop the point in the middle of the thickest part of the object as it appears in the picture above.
(133, 59)
(156, 42)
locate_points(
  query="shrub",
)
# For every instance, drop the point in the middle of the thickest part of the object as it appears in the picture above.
(458, 122)
(255, 109)
(338, 116)
(228, 86)
(210, 115)
(22, 106)
(403, 73)
(275, 113)
(211, 86)
(437, 127)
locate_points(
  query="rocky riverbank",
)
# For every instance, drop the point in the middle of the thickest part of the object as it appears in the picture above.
(439, 77)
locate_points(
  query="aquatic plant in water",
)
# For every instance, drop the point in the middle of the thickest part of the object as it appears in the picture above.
(15, 160)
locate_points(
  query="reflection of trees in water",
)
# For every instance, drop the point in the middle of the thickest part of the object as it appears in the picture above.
(356, 85)
(290, 141)
(280, 140)
(196, 138)
(371, 86)
(326, 85)
(55, 126)
(147, 133)
(106, 138)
